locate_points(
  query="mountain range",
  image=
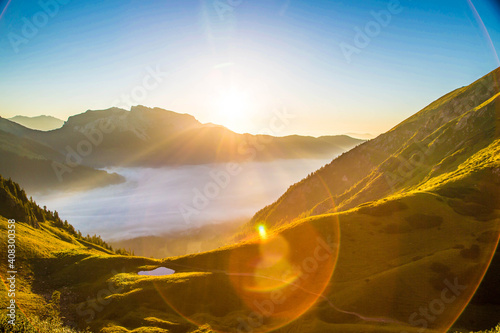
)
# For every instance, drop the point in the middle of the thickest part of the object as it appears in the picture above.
(142, 137)
(399, 234)
(42, 123)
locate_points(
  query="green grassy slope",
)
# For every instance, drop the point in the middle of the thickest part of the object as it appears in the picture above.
(433, 141)
(382, 262)
(395, 257)
(42, 242)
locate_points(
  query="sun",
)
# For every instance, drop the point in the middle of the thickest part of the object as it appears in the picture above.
(262, 231)
(234, 109)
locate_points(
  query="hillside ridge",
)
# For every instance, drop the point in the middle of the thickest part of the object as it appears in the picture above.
(385, 164)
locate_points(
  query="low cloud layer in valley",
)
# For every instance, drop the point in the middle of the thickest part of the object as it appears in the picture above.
(158, 200)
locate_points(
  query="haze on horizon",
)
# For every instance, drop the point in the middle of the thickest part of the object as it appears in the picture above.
(234, 65)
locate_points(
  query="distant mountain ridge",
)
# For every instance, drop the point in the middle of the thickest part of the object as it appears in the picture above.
(42, 123)
(365, 136)
(153, 137)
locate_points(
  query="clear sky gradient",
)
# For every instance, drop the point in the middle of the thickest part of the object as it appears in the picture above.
(234, 62)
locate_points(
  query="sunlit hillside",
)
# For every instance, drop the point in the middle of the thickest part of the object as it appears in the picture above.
(412, 155)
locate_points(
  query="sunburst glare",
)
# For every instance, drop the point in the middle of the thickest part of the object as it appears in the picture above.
(262, 232)
(234, 108)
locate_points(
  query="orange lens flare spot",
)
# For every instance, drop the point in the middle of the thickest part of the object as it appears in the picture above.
(282, 275)
(263, 284)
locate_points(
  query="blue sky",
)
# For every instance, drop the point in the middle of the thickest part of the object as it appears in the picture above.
(235, 62)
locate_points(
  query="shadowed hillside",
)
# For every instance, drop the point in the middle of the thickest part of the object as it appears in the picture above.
(156, 137)
(66, 158)
(38, 167)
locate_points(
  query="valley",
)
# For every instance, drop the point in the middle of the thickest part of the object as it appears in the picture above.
(232, 166)
(399, 234)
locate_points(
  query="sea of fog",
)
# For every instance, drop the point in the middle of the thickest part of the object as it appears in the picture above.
(159, 200)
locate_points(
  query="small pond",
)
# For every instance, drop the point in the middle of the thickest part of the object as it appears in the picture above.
(157, 272)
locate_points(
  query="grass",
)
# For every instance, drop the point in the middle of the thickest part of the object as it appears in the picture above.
(493, 330)
(36, 325)
(389, 258)
(378, 273)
